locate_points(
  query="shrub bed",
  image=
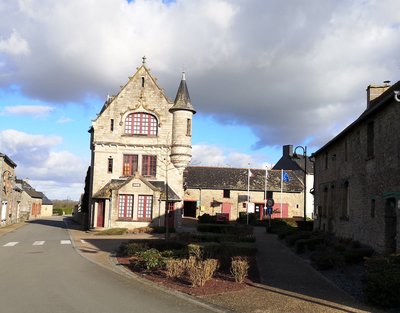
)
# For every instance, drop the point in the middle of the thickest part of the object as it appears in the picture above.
(382, 281)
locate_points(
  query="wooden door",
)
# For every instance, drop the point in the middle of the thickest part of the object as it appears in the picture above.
(226, 209)
(171, 214)
(100, 213)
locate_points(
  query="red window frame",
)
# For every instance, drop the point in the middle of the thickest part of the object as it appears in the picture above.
(130, 164)
(141, 124)
(145, 207)
(125, 206)
(149, 165)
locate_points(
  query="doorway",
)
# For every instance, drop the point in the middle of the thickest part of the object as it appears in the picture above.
(189, 208)
(100, 213)
(390, 225)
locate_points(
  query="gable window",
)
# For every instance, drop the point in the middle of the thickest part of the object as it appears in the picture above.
(141, 124)
(125, 206)
(227, 193)
(149, 165)
(145, 204)
(110, 165)
(130, 164)
(370, 139)
(112, 125)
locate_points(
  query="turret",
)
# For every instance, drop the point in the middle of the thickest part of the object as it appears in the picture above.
(182, 110)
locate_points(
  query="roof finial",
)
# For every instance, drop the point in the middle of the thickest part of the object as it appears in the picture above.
(183, 75)
(144, 60)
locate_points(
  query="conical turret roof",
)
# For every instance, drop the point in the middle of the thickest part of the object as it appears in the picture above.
(182, 99)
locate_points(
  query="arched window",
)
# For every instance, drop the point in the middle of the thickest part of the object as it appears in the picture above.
(141, 124)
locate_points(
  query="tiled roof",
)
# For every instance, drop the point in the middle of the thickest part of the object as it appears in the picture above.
(29, 189)
(182, 99)
(236, 179)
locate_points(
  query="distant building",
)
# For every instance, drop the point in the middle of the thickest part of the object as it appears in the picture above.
(289, 161)
(141, 142)
(215, 190)
(357, 175)
(47, 206)
(31, 201)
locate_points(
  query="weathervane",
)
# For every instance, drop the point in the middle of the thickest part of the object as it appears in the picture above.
(144, 60)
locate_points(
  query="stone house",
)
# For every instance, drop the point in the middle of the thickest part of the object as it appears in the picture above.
(357, 175)
(296, 162)
(215, 190)
(8, 196)
(140, 145)
(47, 206)
(30, 205)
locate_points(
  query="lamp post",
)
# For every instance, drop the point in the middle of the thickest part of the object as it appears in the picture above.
(305, 176)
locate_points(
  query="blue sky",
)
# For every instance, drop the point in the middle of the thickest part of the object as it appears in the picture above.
(261, 74)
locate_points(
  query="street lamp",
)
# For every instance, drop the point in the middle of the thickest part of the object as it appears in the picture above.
(305, 176)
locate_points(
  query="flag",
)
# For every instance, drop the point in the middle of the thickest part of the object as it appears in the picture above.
(251, 174)
(285, 177)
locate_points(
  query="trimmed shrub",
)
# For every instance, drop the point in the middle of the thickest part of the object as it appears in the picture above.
(242, 219)
(381, 282)
(112, 231)
(326, 259)
(305, 225)
(216, 228)
(203, 250)
(200, 271)
(239, 268)
(175, 268)
(132, 248)
(232, 249)
(357, 255)
(152, 259)
(292, 238)
(207, 219)
(161, 229)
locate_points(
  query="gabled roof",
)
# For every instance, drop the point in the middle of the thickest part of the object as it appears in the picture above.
(8, 160)
(29, 189)
(45, 200)
(236, 179)
(182, 99)
(375, 106)
(294, 163)
(172, 196)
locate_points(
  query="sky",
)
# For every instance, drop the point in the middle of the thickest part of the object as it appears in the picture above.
(261, 74)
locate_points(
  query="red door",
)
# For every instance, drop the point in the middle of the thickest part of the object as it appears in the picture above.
(171, 214)
(226, 209)
(100, 213)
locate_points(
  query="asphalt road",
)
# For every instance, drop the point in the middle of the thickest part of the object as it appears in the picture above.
(41, 272)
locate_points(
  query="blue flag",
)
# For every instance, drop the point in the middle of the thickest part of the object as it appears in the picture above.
(285, 177)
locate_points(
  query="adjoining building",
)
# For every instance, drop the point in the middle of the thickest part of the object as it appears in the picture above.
(8, 201)
(215, 190)
(141, 142)
(296, 162)
(357, 175)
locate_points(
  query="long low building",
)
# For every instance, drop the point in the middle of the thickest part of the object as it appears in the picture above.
(215, 190)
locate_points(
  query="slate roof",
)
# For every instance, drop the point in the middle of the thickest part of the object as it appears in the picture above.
(116, 184)
(45, 200)
(375, 106)
(29, 189)
(182, 99)
(236, 179)
(295, 164)
(8, 160)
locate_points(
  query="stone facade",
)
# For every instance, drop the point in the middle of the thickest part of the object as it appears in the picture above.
(8, 196)
(141, 124)
(357, 176)
(212, 190)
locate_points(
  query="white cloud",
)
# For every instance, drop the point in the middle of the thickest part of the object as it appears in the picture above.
(37, 160)
(28, 110)
(212, 155)
(15, 44)
(64, 120)
(271, 65)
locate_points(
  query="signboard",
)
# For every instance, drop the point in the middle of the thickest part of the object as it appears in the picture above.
(250, 208)
(269, 211)
(270, 203)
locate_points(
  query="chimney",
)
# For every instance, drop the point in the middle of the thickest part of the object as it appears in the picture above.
(288, 150)
(374, 92)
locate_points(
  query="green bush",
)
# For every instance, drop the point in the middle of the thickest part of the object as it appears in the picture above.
(326, 259)
(357, 255)
(207, 219)
(242, 219)
(204, 250)
(57, 211)
(292, 238)
(161, 229)
(305, 225)
(112, 231)
(132, 248)
(381, 282)
(152, 259)
(233, 249)
(216, 228)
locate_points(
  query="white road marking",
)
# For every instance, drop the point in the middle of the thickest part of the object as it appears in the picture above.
(38, 243)
(65, 242)
(11, 244)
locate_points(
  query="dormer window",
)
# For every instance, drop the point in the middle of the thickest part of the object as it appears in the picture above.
(141, 124)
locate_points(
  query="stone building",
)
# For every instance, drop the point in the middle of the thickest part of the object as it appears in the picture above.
(140, 145)
(357, 175)
(30, 206)
(215, 190)
(8, 196)
(295, 162)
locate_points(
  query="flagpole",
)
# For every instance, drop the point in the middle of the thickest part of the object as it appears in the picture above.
(281, 189)
(248, 195)
(265, 190)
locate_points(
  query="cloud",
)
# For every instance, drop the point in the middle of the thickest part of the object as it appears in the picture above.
(212, 155)
(28, 110)
(277, 67)
(64, 120)
(14, 44)
(37, 159)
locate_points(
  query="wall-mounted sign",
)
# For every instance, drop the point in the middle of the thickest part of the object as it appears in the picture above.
(136, 184)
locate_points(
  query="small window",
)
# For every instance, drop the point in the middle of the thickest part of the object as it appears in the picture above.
(188, 127)
(370, 139)
(110, 165)
(142, 81)
(149, 165)
(227, 193)
(112, 125)
(373, 203)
